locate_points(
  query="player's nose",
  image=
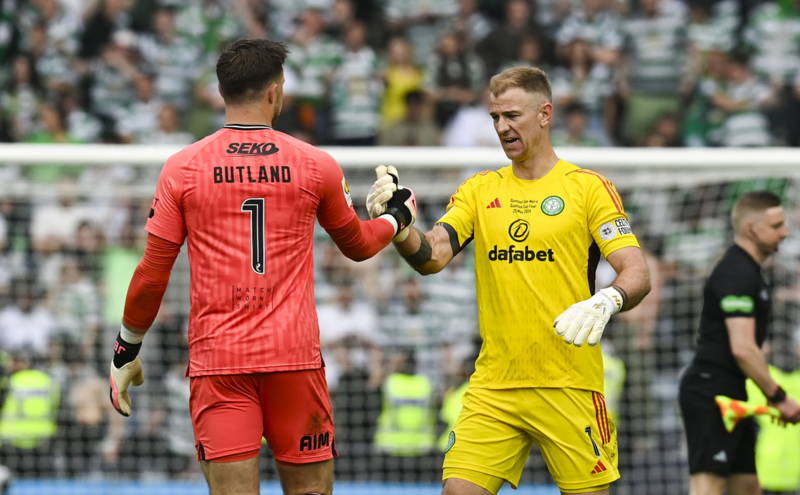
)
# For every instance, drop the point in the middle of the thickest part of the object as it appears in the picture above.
(501, 126)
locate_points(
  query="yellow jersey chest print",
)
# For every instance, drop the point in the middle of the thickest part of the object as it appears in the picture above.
(524, 223)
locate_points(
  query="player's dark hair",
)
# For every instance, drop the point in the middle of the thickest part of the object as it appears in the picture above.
(531, 79)
(246, 67)
(754, 201)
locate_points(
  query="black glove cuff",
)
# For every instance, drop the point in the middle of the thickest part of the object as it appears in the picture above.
(397, 208)
(125, 352)
(778, 397)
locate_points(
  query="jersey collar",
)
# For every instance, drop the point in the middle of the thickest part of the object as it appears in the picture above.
(246, 127)
(745, 254)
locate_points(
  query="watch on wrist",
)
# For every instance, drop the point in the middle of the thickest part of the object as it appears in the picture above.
(778, 397)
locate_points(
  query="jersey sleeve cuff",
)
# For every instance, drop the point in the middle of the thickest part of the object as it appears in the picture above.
(619, 243)
(170, 236)
(391, 220)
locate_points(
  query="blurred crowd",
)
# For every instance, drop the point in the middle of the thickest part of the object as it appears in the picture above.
(407, 72)
(396, 72)
(66, 257)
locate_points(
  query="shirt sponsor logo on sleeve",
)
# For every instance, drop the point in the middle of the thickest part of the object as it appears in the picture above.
(607, 231)
(737, 304)
(153, 208)
(610, 230)
(346, 190)
(623, 227)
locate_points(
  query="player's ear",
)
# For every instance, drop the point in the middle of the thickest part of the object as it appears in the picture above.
(272, 93)
(545, 113)
(750, 228)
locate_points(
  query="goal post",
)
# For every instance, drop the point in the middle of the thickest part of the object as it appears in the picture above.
(678, 200)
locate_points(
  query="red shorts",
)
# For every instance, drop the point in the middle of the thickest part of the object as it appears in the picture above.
(291, 409)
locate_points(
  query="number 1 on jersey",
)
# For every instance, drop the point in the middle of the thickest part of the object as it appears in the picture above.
(255, 206)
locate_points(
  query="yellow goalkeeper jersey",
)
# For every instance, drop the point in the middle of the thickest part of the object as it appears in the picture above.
(537, 244)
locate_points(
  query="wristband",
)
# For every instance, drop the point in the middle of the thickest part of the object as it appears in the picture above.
(623, 294)
(615, 296)
(390, 218)
(778, 397)
(125, 352)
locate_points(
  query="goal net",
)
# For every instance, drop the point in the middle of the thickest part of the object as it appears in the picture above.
(71, 233)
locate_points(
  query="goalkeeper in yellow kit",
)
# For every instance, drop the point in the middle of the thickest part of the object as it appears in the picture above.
(539, 226)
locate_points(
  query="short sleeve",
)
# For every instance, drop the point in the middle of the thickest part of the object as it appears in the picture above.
(460, 213)
(336, 204)
(737, 293)
(608, 222)
(166, 218)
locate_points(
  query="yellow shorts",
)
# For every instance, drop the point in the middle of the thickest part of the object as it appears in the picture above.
(494, 433)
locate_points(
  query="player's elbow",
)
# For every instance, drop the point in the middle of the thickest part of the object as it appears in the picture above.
(645, 281)
(359, 252)
(429, 268)
(358, 256)
(642, 285)
(742, 353)
(424, 271)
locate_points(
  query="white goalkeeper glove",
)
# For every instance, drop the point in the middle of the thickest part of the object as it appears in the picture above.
(386, 196)
(585, 320)
(119, 379)
(381, 191)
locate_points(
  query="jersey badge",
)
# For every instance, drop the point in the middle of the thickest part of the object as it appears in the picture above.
(346, 191)
(552, 205)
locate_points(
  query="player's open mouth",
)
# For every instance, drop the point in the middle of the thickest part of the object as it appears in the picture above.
(510, 140)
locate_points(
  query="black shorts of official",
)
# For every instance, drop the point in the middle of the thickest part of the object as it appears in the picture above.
(711, 448)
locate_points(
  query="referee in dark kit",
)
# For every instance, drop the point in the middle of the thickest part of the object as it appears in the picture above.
(733, 327)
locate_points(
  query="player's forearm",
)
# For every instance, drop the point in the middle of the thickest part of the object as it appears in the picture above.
(149, 283)
(143, 301)
(753, 364)
(416, 249)
(634, 284)
(361, 239)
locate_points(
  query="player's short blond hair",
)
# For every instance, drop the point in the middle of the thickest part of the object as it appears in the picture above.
(752, 202)
(531, 79)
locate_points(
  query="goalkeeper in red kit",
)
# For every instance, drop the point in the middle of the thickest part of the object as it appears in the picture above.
(247, 198)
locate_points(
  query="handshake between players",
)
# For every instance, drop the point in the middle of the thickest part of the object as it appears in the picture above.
(386, 196)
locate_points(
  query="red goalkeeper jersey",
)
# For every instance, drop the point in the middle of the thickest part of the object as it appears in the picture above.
(247, 198)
